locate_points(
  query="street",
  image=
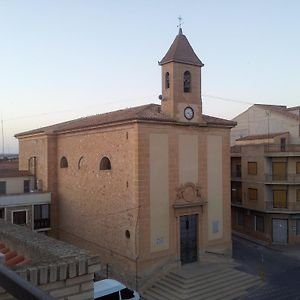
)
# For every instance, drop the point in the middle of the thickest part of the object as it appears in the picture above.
(280, 272)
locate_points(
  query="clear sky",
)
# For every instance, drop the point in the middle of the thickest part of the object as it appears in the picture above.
(63, 59)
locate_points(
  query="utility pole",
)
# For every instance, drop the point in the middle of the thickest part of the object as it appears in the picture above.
(2, 130)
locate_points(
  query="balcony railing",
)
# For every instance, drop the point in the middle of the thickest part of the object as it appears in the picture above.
(290, 206)
(25, 199)
(282, 148)
(41, 223)
(286, 178)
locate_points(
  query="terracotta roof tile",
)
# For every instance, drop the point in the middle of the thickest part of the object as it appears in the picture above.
(260, 136)
(5, 173)
(151, 112)
(181, 51)
(11, 257)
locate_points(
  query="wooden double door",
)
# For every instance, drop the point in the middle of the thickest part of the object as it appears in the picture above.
(188, 238)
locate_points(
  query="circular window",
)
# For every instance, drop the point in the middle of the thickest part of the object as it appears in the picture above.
(127, 234)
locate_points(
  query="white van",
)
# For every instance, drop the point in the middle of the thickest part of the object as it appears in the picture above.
(109, 289)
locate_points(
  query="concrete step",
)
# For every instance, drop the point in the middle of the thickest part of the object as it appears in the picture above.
(222, 285)
(235, 291)
(213, 283)
(196, 283)
(201, 276)
(157, 294)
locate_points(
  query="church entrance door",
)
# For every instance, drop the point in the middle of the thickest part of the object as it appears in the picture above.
(188, 239)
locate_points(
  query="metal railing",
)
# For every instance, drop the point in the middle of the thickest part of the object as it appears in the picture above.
(19, 287)
(282, 206)
(287, 178)
(282, 148)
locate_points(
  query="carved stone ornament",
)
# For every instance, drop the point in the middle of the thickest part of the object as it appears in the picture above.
(188, 193)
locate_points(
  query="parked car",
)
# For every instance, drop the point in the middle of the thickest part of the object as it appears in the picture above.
(109, 289)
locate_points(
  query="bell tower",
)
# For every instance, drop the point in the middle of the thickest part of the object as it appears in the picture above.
(181, 81)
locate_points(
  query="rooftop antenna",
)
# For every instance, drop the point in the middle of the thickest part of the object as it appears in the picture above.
(2, 131)
(180, 23)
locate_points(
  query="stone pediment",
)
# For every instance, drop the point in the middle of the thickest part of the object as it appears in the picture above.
(188, 194)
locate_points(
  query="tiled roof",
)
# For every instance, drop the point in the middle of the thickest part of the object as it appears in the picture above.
(260, 136)
(4, 173)
(151, 112)
(181, 51)
(280, 109)
(11, 169)
(11, 257)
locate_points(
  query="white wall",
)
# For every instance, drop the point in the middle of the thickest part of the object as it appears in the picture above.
(15, 185)
(255, 121)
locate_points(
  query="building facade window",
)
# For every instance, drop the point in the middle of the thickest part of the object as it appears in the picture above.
(41, 216)
(259, 223)
(240, 218)
(26, 185)
(279, 170)
(252, 194)
(280, 198)
(298, 227)
(80, 162)
(298, 167)
(252, 167)
(19, 217)
(2, 213)
(2, 187)
(187, 82)
(298, 195)
(105, 163)
(167, 80)
(64, 162)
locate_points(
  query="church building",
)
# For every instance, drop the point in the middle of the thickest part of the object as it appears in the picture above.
(147, 188)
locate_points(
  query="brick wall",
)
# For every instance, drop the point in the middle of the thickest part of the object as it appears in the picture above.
(62, 270)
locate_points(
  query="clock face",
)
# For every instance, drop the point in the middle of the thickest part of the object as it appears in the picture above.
(189, 113)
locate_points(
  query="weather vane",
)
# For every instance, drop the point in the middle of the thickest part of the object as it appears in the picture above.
(180, 23)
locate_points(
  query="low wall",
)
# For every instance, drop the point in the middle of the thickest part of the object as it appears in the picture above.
(61, 269)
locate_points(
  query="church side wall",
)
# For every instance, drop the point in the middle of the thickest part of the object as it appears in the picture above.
(98, 208)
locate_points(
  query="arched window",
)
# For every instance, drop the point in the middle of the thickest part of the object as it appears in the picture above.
(167, 80)
(63, 162)
(80, 162)
(105, 163)
(187, 82)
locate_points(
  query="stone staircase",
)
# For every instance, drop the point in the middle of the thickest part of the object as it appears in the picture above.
(209, 281)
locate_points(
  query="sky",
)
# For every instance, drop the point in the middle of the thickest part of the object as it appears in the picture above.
(65, 59)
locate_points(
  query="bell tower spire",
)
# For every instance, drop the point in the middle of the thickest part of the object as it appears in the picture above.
(181, 81)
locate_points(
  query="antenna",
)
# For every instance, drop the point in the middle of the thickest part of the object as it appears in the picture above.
(2, 130)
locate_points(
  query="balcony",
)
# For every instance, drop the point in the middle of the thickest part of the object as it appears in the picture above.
(284, 206)
(282, 150)
(25, 199)
(41, 224)
(282, 179)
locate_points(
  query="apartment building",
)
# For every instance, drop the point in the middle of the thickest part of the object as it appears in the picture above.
(21, 201)
(265, 173)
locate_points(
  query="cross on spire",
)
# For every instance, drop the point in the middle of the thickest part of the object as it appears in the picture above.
(180, 23)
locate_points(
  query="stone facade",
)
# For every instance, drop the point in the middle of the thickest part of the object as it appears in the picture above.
(164, 166)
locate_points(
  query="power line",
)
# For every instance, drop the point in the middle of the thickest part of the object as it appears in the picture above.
(228, 99)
